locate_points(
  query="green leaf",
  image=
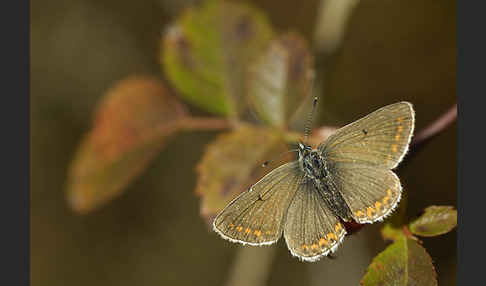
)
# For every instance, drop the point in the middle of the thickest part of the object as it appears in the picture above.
(232, 163)
(436, 220)
(404, 262)
(206, 53)
(131, 124)
(280, 80)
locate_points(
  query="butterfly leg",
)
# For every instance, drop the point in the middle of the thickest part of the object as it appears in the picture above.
(332, 256)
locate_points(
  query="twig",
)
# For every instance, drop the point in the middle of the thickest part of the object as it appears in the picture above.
(429, 132)
(205, 123)
(436, 127)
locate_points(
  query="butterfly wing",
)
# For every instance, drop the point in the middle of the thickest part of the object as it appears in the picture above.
(311, 229)
(256, 216)
(359, 158)
(379, 139)
(371, 193)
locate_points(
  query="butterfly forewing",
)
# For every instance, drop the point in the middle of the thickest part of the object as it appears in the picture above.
(379, 139)
(370, 193)
(311, 229)
(256, 216)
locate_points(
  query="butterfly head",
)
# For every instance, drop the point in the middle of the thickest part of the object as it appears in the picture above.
(304, 150)
(311, 162)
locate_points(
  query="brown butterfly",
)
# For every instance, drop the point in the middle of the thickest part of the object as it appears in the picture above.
(348, 177)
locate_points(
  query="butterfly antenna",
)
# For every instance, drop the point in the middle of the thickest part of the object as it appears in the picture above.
(308, 123)
(279, 156)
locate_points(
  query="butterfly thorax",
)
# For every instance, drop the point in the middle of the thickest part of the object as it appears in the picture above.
(312, 163)
(315, 168)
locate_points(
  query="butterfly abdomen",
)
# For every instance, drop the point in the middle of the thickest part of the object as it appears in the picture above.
(333, 199)
(315, 168)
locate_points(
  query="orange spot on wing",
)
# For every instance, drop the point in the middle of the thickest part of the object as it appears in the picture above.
(314, 246)
(397, 137)
(338, 227)
(247, 230)
(359, 213)
(239, 228)
(231, 225)
(385, 200)
(257, 233)
(305, 247)
(331, 236)
(395, 148)
(322, 242)
(388, 196)
(377, 206)
(400, 128)
(370, 211)
(267, 232)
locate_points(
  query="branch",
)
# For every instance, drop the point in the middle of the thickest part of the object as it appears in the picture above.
(431, 131)
(435, 128)
(205, 123)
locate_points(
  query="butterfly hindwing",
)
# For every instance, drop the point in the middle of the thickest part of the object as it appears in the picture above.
(371, 193)
(256, 216)
(311, 229)
(379, 139)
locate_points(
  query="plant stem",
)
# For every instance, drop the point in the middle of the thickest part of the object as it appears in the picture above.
(332, 19)
(205, 123)
(435, 128)
(251, 266)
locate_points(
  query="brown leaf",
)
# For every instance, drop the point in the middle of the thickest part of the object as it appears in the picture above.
(131, 124)
(232, 163)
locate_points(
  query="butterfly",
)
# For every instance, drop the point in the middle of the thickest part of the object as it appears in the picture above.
(348, 177)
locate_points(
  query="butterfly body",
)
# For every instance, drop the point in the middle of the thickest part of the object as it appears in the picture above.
(315, 168)
(348, 177)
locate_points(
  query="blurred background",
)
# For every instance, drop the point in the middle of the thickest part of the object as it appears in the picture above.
(378, 52)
